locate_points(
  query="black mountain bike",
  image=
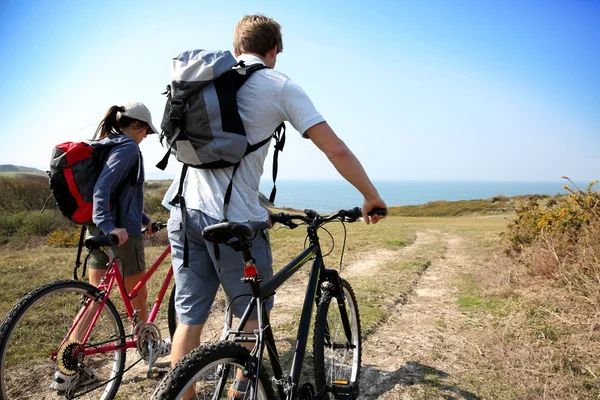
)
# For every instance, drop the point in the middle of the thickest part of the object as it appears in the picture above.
(213, 369)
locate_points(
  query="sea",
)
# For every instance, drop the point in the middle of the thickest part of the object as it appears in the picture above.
(327, 196)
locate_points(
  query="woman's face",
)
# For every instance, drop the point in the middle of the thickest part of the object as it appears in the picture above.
(137, 131)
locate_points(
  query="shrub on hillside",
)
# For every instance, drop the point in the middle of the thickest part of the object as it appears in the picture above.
(443, 208)
(23, 193)
(561, 239)
(64, 237)
(30, 223)
(153, 204)
(563, 215)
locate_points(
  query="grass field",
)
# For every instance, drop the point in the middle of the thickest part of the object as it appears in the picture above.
(516, 325)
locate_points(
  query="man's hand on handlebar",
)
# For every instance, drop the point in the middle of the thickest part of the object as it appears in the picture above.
(369, 205)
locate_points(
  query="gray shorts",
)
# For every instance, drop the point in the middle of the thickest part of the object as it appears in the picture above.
(132, 258)
(197, 285)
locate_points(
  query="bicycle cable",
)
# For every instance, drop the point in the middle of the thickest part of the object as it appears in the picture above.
(333, 241)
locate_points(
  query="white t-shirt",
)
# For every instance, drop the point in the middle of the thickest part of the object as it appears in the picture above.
(267, 99)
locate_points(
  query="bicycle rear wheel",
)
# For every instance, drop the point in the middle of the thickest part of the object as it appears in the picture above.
(337, 357)
(211, 370)
(35, 343)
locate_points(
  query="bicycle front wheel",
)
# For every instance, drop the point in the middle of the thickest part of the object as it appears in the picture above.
(337, 342)
(44, 334)
(211, 371)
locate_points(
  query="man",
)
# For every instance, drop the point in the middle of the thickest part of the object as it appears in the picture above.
(266, 100)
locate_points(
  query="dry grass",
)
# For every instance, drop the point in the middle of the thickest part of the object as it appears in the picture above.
(529, 337)
(539, 340)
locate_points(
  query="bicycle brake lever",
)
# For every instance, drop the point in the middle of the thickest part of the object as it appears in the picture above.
(281, 227)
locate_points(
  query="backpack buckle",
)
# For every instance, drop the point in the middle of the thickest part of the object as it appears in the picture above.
(175, 110)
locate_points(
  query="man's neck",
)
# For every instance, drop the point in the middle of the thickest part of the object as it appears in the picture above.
(255, 55)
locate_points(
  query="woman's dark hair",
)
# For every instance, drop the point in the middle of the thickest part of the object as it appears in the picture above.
(112, 123)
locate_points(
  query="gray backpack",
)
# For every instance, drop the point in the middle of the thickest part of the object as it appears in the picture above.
(201, 122)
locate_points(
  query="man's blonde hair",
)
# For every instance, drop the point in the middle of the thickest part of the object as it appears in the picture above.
(257, 34)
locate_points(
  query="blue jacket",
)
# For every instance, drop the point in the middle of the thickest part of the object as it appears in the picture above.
(122, 158)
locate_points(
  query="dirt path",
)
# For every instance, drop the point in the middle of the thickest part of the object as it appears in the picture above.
(410, 355)
(416, 349)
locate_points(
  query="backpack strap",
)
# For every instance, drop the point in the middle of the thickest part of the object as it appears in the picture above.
(179, 200)
(279, 136)
(241, 78)
(79, 250)
(228, 193)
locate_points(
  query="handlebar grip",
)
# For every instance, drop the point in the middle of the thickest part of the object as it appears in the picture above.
(114, 239)
(96, 242)
(275, 218)
(353, 213)
(156, 226)
(378, 211)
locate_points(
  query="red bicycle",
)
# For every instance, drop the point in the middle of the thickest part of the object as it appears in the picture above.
(72, 326)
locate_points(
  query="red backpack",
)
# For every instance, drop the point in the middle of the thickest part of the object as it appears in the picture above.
(74, 170)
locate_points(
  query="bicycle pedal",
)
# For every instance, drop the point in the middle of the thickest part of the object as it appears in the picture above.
(341, 382)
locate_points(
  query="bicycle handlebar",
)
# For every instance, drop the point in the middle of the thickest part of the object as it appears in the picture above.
(99, 241)
(156, 226)
(312, 217)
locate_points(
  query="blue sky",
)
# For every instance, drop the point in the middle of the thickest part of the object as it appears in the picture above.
(429, 90)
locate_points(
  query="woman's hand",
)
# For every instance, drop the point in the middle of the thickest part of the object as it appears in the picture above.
(121, 233)
(149, 230)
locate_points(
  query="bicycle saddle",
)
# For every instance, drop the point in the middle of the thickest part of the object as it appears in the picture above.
(225, 231)
(95, 242)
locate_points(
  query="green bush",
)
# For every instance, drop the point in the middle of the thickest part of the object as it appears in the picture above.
(24, 193)
(38, 224)
(9, 225)
(153, 204)
(30, 223)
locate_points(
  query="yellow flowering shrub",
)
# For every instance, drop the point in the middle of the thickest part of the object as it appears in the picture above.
(564, 215)
(63, 238)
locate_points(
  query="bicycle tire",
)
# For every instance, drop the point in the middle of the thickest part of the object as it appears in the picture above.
(171, 314)
(211, 360)
(35, 328)
(337, 365)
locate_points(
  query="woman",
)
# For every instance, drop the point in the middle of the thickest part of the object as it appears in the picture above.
(120, 184)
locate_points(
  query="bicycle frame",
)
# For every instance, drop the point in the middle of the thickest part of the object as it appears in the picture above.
(106, 285)
(262, 291)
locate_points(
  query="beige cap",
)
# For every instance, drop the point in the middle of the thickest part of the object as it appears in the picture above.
(139, 111)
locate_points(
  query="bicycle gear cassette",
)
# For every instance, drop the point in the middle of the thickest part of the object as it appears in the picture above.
(148, 333)
(69, 357)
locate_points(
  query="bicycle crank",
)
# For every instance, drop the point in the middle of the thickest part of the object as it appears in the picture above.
(148, 338)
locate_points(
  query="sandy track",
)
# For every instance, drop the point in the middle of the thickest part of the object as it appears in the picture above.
(397, 356)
